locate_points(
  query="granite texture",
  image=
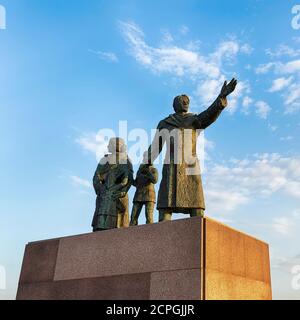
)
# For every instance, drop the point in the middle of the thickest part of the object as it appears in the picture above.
(39, 261)
(189, 259)
(237, 266)
(176, 285)
(139, 249)
(131, 287)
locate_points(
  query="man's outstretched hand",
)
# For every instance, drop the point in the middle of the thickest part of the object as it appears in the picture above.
(227, 89)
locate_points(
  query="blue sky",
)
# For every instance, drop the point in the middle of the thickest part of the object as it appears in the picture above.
(69, 69)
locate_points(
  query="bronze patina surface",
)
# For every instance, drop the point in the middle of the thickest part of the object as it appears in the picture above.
(146, 178)
(181, 186)
(112, 180)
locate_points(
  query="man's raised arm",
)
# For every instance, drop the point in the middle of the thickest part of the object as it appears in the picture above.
(209, 116)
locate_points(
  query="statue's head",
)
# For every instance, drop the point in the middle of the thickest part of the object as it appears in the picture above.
(181, 104)
(116, 145)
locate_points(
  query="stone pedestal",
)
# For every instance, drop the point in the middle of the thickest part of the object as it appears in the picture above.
(183, 259)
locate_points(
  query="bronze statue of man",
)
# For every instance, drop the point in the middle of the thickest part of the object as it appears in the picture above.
(181, 186)
(112, 180)
(146, 178)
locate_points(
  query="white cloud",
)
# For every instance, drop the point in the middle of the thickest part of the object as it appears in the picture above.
(208, 89)
(285, 263)
(226, 50)
(169, 59)
(194, 45)
(246, 48)
(187, 62)
(293, 188)
(224, 201)
(291, 97)
(242, 88)
(77, 181)
(283, 50)
(265, 68)
(291, 84)
(272, 127)
(233, 184)
(262, 109)
(167, 36)
(286, 225)
(287, 138)
(289, 67)
(293, 108)
(247, 101)
(282, 225)
(279, 67)
(107, 56)
(280, 83)
(94, 143)
(184, 30)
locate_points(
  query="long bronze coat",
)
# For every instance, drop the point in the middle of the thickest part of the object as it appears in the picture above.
(111, 183)
(181, 185)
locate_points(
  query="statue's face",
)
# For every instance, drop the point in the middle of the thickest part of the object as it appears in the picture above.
(181, 104)
(111, 147)
(116, 145)
(185, 104)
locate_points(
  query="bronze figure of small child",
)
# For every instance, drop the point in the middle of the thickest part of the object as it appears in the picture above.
(146, 178)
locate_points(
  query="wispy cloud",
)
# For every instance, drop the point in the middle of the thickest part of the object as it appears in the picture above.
(94, 143)
(282, 225)
(279, 67)
(184, 29)
(286, 138)
(224, 201)
(246, 103)
(280, 83)
(285, 263)
(265, 68)
(230, 185)
(206, 71)
(273, 128)
(169, 59)
(77, 181)
(287, 75)
(262, 109)
(246, 48)
(283, 50)
(167, 36)
(107, 56)
(286, 225)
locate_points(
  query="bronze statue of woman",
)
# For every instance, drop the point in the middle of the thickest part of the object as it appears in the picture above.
(112, 180)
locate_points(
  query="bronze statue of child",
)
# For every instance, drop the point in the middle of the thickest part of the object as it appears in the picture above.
(146, 178)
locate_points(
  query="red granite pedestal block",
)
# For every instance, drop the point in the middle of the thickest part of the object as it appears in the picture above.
(184, 259)
(236, 265)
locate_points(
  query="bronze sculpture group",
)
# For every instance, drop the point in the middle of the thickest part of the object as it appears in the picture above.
(180, 189)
